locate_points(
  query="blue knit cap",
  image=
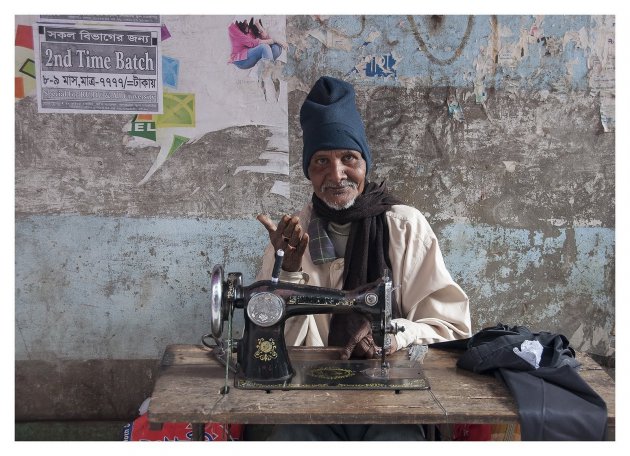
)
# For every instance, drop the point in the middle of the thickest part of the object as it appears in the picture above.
(330, 120)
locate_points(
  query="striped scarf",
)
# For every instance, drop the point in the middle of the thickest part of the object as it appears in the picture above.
(367, 251)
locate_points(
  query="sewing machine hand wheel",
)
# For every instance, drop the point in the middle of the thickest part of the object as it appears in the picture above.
(225, 294)
(218, 308)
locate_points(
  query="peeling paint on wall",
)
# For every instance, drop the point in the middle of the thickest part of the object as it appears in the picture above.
(66, 171)
(276, 154)
(601, 64)
(454, 108)
(331, 39)
(528, 157)
(230, 92)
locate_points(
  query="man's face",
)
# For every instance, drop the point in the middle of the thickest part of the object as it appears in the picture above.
(338, 176)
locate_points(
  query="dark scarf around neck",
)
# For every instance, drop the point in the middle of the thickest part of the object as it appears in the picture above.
(367, 250)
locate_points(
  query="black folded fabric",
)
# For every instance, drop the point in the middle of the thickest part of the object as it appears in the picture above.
(554, 402)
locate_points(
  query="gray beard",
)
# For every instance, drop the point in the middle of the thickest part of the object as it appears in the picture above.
(339, 207)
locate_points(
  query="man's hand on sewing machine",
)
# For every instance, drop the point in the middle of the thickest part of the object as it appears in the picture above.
(353, 332)
(366, 348)
(289, 236)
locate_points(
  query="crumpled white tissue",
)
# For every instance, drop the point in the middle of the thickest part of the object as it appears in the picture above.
(531, 351)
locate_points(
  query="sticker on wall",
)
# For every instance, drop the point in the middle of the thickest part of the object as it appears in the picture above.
(381, 66)
(28, 68)
(142, 128)
(24, 36)
(267, 62)
(25, 71)
(19, 87)
(179, 110)
(164, 33)
(178, 141)
(244, 35)
(170, 71)
(376, 66)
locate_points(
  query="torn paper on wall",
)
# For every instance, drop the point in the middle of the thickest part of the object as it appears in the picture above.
(454, 109)
(372, 66)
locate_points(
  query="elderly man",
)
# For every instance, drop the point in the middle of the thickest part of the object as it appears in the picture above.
(345, 237)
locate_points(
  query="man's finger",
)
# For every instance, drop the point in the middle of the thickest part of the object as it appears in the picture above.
(348, 349)
(290, 225)
(267, 223)
(371, 351)
(296, 236)
(302, 245)
(353, 342)
(282, 225)
(365, 348)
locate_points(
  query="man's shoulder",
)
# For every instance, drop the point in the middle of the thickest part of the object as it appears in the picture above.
(406, 213)
(409, 219)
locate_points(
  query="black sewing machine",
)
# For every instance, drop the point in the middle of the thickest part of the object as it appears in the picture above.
(262, 356)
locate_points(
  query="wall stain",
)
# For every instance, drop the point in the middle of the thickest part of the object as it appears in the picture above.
(423, 46)
(435, 23)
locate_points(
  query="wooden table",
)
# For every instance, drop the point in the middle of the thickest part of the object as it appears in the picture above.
(189, 382)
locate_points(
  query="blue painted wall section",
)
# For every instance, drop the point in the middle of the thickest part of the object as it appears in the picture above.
(97, 302)
(545, 279)
(111, 287)
(446, 50)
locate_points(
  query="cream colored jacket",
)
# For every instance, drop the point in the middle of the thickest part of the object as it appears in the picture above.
(434, 307)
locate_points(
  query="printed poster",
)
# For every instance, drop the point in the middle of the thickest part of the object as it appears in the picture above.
(113, 70)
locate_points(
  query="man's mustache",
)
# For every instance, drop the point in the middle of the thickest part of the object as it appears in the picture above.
(343, 184)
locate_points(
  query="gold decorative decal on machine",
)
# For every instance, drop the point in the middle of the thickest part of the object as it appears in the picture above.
(266, 350)
(320, 301)
(331, 373)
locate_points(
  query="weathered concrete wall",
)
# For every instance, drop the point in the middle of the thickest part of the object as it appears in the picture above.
(500, 129)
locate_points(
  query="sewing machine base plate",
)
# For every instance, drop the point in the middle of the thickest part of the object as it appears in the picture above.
(346, 375)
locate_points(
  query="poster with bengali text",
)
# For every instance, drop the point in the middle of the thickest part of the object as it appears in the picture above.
(127, 19)
(108, 70)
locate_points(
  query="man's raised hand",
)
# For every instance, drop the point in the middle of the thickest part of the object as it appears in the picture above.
(289, 236)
